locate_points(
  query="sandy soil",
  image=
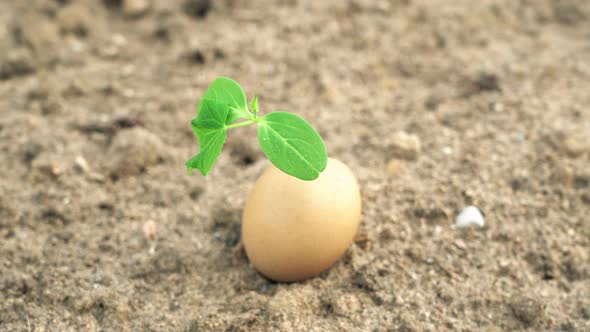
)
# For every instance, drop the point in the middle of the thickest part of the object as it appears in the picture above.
(435, 105)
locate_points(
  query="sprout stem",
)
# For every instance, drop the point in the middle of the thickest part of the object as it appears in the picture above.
(241, 124)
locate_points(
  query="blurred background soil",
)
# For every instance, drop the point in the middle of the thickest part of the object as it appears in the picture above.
(435, 105)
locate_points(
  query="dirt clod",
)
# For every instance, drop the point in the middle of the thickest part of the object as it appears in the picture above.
(484, 82)
(16, 63)
(74, 19)
(133, 151)
(528, 311)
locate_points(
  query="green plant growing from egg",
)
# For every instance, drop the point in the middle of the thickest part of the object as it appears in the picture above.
(303, 212)
(289, 142)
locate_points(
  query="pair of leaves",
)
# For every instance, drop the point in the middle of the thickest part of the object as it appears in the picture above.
(288, 141)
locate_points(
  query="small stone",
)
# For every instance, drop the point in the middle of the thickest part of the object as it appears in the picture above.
(150, 230)
(135, 8)
(363, 241)
(82, 164)
(576, 146)
(498, 107)
(460, 244)
(406, 146)
(393, 166)
(48, 165)
(470, 217)
(447, 150)
(96, 177)
(133, 151)
(50, 169)
(119, 40)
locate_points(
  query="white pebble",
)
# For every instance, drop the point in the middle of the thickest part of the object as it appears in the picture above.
(82, 164)
(470, 217)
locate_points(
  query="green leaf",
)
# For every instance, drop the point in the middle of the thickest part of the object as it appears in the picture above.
(209, 127)
(254, 106)
(292, 145)
(227, 91)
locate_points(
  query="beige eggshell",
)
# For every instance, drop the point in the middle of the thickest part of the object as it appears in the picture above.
(294, 229)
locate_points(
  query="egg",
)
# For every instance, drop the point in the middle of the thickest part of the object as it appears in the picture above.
(294, 229)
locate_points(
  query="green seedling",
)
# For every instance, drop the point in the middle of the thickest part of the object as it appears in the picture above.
(289, 142)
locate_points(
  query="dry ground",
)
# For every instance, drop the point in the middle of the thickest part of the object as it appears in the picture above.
(95, 104)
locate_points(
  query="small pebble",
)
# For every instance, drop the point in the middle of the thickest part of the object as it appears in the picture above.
(135, 8)
(50, 169)
(150, 230)
(459, 244)
(447, 150)
(406, 146)
(119, 40)
(82, 164)
(393, 166)
(498, 107)
(469, 217)
(577, 144)
(96, 177)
